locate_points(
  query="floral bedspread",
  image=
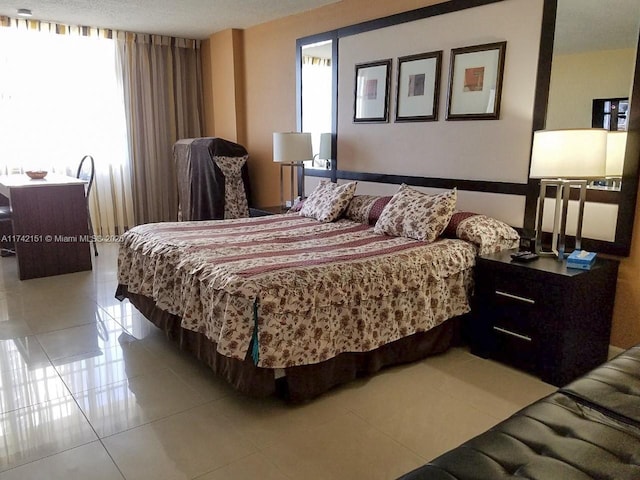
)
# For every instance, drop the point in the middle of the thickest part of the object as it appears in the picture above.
(302, 290)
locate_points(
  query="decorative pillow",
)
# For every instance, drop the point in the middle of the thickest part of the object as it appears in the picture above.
(488, 234)
(417, 215)
(327, 202)
(366, 208)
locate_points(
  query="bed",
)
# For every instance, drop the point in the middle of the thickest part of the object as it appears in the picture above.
(291, 304)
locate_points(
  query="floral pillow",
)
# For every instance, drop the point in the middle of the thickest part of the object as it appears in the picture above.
(490, 235)
(417, 215)
(327, 202)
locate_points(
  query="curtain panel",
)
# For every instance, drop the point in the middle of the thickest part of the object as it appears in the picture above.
(162, 83)
(60, 99)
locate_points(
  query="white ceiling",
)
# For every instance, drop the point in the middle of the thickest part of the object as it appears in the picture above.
(582, 24)
(179, 18)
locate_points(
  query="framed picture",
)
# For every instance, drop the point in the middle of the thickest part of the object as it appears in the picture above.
(475, 82)
(418, 87)
(371, 103)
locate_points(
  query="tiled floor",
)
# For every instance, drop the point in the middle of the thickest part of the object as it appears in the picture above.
(90, 390)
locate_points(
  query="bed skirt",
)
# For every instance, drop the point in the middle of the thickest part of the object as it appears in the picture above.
(299, 383)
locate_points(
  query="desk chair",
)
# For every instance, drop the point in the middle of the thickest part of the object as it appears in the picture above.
(86, 171)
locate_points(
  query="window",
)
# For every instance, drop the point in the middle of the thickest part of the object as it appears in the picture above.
(610, 113)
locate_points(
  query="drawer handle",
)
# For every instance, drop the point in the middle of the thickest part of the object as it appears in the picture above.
(515, 297)
(513, 334)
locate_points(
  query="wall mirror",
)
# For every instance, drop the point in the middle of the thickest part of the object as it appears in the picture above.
(593, 67)
(316, 62)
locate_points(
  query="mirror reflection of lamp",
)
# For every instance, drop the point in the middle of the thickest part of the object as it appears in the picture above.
(564, 159)
(324, 153)
(291, 149)
(616, 146)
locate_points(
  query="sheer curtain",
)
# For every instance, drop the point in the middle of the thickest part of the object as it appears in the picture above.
(60, 99)
(163, 99)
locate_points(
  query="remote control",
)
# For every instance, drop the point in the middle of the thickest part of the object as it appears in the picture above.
(524, 256)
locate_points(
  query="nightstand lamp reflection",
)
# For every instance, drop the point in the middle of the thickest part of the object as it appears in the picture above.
(564, 159)
(616, 147)
(291, 149)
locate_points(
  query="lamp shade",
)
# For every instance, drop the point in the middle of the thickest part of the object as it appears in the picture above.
(292, 147)
(579, 153)
(616, 146)
(325, 146)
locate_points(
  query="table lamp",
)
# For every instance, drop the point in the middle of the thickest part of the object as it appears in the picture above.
(565, 159)
(291, 149)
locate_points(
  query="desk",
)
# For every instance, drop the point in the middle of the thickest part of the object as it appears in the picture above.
(50, 224)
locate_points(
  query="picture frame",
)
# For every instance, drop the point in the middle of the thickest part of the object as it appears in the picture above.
(418, 87)
(371, 92)
(475, 82)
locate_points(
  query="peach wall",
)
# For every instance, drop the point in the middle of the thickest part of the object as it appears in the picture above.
(207, 88)
(223, 80)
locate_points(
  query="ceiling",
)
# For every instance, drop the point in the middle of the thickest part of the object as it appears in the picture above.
(582, 24)
(178, 18)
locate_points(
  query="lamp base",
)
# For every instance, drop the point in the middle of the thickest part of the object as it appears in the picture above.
(292, 166)
(563, 194)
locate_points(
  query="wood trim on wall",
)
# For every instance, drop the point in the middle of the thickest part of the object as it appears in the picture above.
(445, 183)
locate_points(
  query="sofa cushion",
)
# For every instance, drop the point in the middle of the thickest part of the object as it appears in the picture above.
(613, 388)
(555, 438)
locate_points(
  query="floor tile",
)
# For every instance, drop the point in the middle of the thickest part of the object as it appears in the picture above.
(265, 420)
(112, 365)
(90, 339)
(400, 386)
(182, 446)
(24, 387)
(35, 432)
(248, 468)
(124, 405)
(346, 448)
(22, 352)
(14, 328)
(194, 373)
(494, 388)
(63, 315)
(434, 424)
(88, 462)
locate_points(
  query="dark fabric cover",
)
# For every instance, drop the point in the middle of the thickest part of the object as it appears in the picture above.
(201, 183)
(587, 430)
(300, 383)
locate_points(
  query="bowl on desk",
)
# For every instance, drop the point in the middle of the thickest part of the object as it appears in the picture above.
(36, 174)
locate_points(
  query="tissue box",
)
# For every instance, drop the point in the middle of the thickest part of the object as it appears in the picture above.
(581, 259)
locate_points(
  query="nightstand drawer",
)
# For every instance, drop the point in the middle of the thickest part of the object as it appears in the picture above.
(515, 315)
(515, 349)
(516, 287)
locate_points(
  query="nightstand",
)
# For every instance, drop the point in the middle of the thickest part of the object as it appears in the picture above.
(541, 316)
(264, 211)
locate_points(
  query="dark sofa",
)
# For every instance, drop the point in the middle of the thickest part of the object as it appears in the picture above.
(589, 429)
